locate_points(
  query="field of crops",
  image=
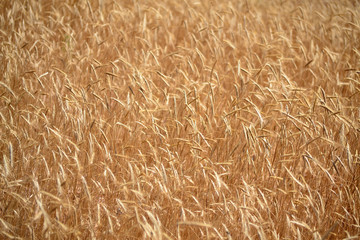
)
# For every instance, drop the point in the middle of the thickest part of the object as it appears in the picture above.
(180, 119)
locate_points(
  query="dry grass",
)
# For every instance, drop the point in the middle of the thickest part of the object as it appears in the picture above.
(180, 120)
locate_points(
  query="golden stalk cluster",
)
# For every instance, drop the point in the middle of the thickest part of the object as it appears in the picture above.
(179, 119)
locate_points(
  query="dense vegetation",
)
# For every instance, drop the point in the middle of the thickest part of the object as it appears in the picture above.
(180, 119)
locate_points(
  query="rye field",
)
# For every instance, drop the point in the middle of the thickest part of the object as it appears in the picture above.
(180, 119)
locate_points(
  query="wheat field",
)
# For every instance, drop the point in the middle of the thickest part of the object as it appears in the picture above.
(180, 119)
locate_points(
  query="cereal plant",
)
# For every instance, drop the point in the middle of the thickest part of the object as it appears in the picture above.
(180, 119)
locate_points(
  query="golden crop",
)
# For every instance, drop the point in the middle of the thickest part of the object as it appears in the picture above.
(179, 119)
